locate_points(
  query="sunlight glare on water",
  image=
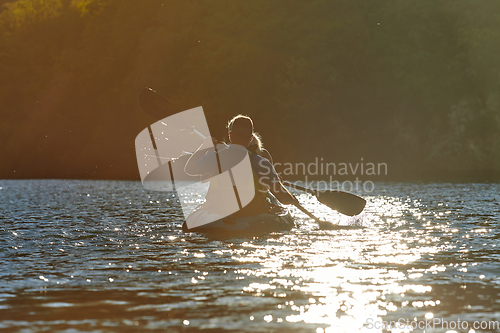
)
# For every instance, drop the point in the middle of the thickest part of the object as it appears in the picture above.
(110, 256)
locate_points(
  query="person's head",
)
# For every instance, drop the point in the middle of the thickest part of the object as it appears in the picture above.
(240, 130)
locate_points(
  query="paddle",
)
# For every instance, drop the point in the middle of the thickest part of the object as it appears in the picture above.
(158, 106)
(308, 213)
(323, 225)
(155, 104)
(343, 202)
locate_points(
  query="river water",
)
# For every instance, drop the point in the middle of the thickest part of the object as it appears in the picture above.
(109, 256)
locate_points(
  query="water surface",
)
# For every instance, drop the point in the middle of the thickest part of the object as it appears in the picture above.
(81, 256)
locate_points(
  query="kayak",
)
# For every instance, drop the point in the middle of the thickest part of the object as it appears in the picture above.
(279, 219)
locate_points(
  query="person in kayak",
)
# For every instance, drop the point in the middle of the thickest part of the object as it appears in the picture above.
(242, 139)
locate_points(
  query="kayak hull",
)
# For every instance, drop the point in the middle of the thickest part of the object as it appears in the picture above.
(281, 220)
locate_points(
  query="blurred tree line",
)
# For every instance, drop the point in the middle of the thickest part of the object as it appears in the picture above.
(414, 84)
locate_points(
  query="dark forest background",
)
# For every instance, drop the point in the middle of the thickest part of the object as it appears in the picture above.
(414, 84)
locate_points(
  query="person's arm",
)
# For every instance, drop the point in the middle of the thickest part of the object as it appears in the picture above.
(267, 154)
(192, 167)
(284, 196)
(269, 178)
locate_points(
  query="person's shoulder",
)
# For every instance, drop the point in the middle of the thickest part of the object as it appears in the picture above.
(261, 163)
(258, 157)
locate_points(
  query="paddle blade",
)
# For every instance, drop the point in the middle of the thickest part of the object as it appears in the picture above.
(343, 202)
(155, 104)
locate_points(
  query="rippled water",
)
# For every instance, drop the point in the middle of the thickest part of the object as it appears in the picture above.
(110, 256)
